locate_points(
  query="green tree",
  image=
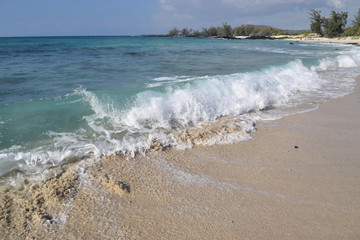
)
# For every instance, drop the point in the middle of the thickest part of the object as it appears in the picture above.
(196, 33)
(335, 24)
(248, 29)
(185, 32)
(277, 32)
(173, 32)
(356, 21)
(225, 30)
(355, 29)
(316, 22)
(243, 30)
(212, 31)
(204, 32)
(240, 31)
(267, 32)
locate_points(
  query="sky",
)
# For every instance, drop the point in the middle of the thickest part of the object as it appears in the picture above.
(136, 17)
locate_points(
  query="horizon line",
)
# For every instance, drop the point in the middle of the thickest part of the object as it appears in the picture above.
(44, 36)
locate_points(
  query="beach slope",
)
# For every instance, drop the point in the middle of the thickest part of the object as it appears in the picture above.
(298, 178)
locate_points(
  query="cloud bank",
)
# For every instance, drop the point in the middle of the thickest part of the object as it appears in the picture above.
(287, 14)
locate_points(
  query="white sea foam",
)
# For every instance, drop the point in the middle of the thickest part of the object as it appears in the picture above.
(208, 98)
(174, 78)
(346, 62)
(63, 147)
(159, 115)
(351, 60)
(205, 99)
(160, 81)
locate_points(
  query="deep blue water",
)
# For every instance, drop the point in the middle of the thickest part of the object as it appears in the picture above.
(69, 97)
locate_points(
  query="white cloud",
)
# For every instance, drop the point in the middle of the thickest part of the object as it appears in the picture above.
(287, 14)
(236, 3)
(336, 3)
(242, 3)
(171, 5)
(167, 5)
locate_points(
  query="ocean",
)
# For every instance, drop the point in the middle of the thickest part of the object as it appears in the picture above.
(63, 99)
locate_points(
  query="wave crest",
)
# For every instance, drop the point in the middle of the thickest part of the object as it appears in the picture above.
(181, 111)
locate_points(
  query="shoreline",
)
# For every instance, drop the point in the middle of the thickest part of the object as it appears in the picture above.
(301, 38)
(339, 40)
(296, 179)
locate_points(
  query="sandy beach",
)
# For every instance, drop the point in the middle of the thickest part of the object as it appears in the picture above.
(298, 178)
(180, 120)
(302, 38)
(340, 40)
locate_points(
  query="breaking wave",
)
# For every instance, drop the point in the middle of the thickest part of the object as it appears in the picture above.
(181, 111)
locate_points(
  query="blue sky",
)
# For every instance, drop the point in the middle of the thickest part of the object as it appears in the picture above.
(134, 17)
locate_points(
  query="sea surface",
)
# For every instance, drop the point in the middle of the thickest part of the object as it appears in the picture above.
(63, 99)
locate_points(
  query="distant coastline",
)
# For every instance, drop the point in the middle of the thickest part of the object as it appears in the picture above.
(331, 29)
(315, 39)
(355, 40)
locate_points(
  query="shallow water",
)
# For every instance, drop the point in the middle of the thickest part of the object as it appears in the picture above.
(64, 98)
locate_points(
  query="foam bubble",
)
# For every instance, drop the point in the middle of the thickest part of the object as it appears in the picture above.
(200, 110)
(343, 61)
(324, 65)
(346, 62)
(155, 115)
(160, 81)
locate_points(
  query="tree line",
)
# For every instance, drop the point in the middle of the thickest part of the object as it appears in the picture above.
(334, 25)
(225, 31)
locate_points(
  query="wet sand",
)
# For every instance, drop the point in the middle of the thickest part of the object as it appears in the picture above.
(298, 178)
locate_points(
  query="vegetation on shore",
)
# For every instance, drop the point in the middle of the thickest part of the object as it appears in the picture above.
(227, 31)
(355, 29)
(332, 26)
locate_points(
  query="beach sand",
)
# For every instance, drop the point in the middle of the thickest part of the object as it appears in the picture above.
(355, 40)
(340, 40)
(298, 178)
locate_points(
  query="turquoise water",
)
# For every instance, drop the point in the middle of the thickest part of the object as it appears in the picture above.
(64, 98)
